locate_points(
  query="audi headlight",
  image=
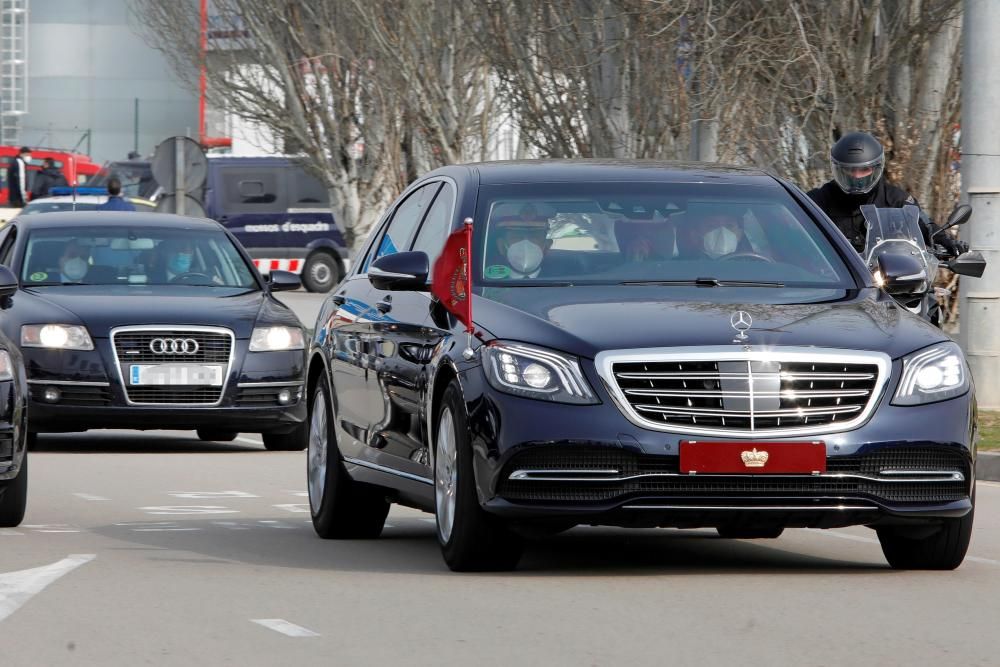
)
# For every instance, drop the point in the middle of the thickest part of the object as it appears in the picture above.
(932, 374)
(56, 336)
(276, 339)
(536, 373)
(6, 366)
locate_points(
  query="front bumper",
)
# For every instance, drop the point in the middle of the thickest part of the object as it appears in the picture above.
(76, 391)
(539, 461)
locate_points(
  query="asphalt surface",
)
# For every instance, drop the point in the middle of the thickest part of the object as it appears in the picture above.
(155, 548)
(305, 304)
(167, 551)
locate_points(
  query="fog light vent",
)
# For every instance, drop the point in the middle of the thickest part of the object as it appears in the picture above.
(51, 395)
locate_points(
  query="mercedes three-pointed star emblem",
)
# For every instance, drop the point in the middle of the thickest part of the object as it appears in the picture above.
(741, 321)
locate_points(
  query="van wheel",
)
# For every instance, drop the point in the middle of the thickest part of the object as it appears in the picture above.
(321, 272)
(14, 497)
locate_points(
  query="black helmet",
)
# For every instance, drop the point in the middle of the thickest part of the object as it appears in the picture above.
(858, 161)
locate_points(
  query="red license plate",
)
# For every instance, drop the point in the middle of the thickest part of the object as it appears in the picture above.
(752, 458)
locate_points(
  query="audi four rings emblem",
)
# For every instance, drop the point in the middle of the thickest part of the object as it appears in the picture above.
(173, 346)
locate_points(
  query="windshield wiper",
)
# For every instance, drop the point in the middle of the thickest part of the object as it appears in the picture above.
(704, 282)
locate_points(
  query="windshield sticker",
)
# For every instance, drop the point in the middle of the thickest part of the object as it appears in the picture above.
(38, 276)
(497, 271)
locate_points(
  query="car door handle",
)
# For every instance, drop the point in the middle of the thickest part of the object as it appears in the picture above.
(338, 299)
(385, 305)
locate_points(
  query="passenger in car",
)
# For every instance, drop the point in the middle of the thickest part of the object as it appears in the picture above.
(521, 244)
(715, 235)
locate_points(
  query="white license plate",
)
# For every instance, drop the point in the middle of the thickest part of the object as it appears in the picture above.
(169, 374)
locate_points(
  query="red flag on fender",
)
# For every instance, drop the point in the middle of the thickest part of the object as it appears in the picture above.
(451, 281)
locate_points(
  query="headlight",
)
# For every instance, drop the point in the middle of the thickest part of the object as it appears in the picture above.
(6, 366)
(274, 339)
(56, 336)
(536, 373)
(933, 374)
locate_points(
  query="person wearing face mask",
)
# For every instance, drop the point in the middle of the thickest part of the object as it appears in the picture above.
(717, 235)
(175, 258)
(522, 244)
(73, 264)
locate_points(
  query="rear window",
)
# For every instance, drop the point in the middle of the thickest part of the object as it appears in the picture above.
(611, 233)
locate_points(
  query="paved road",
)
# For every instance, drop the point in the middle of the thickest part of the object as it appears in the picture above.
(305, 304)
(158, 549)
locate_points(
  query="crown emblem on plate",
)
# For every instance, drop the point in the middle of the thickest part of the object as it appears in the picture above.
(754, 459)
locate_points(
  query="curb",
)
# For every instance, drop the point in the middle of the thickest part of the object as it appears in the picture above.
(988, 466)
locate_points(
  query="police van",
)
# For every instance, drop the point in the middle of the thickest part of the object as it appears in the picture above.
(281, 214)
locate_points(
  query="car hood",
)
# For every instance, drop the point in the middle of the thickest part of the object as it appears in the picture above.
(104, 307)
(586, 320)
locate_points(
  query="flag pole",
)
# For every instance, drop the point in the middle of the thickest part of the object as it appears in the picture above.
(468, 353)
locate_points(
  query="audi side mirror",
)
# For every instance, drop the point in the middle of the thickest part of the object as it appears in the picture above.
(283, 281)
(401, 271)
(8, 286)
(901, 275)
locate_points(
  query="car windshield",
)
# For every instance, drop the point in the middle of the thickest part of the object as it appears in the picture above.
(680, 233)
(42, 206)
(144, 255)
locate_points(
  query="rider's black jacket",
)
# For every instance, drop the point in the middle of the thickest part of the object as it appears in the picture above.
(845, 209)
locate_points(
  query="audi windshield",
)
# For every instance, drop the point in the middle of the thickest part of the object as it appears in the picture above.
(134, 256)
(678, 233)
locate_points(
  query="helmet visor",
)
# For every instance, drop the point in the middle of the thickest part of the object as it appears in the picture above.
(857, 179)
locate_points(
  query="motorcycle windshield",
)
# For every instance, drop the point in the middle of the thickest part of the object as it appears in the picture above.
(893, 230)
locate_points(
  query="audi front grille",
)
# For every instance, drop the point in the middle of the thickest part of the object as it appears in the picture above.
(745, 392)
(172, 345)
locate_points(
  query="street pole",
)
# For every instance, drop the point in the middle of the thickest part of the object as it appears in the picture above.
(980, 298)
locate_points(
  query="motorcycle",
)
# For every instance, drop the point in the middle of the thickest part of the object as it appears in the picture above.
(906, 264)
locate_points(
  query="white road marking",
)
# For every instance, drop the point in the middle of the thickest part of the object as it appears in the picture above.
(870, 540)
(153, 526)
(232, 525)
(293, 507)
(188, 509)
(284, 627)
(16, 588)
(984, 483)
(300, 494)
(87, 496)
(270, 523)
(50, 528)
(194, 495)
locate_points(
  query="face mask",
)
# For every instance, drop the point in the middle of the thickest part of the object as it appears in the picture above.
(180, 263)
(74, 268)
(720, 241)
(524, 256)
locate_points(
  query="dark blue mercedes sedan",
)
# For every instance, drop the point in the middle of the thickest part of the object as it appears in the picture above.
(632, 344)
(152, 321)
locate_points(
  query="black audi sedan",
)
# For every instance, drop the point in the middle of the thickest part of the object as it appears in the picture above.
(152, 321)
(651, 345)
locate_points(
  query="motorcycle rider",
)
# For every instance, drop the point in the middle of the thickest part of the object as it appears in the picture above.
(858, 162)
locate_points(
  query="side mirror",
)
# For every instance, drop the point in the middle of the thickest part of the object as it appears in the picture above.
(8, 286)
(282, 281)
(401, 271)
(959, 216)
(968, 264)
(901, 275)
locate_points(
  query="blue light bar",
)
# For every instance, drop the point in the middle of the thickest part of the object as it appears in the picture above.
(65, 190)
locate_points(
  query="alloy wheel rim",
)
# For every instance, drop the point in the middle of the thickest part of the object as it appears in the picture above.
(318, 447)
(445, 476)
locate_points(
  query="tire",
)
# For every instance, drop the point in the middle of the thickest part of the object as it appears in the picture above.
(340, 507)
(740, 533)
(321, 272)
(32, 442)
(213, 435)
(471, 540)
(295, 441)
(14, 497)
(942, 550)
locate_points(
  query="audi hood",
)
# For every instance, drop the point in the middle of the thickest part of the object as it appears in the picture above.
(102, 308)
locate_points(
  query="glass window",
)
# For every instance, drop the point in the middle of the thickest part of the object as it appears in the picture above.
(307, 191)
(48, 206)
(253, 190)
(404, 221)
(123, 256)
(430, 239)
(609, 233)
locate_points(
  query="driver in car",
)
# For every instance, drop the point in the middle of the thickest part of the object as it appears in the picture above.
(521, 244)
(73, 264)
(717, 235)
(174, 260)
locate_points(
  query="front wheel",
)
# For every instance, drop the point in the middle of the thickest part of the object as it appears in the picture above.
(341, 508)
(295, 441)
(14, 497)
(470, 539)
(942, 550)
(216, 435)
(742, 533)
(321, 272)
